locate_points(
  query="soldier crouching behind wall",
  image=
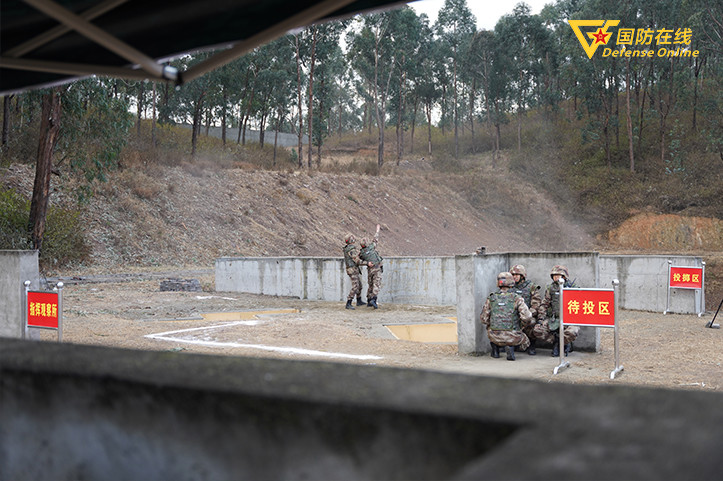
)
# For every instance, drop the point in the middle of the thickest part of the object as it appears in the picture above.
(504, 314)
(352, 262)
(548, 315)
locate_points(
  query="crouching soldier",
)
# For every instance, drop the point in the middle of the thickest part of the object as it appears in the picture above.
(548, 314)
(531, 295)
(352, 262)
(373, 260)
(504, 314)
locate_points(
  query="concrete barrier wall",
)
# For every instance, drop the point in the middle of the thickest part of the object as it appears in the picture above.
(463, 281)
(406, 280)
(644, 282)
(15, 268)
(72, 412)
(478, 278)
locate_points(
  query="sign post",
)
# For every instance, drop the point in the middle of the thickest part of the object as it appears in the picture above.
(44, 309)
(589, 308)
(680, 277)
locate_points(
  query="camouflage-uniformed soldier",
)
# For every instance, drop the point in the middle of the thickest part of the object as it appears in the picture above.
(531, 295)
(352, 263)
(548, 314)
(505, 314)
(373, 260)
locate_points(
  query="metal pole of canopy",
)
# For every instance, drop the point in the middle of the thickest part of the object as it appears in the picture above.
(103, 38)
(56, 32)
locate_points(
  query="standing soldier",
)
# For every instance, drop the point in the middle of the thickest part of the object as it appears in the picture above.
(531, 295)
(548, 314)
(373, 260)
(504, 314)
(352, 262)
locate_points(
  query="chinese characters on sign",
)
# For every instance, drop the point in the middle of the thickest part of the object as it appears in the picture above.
(686, 277)
(43, 309)
(667, 42)
(588, 307)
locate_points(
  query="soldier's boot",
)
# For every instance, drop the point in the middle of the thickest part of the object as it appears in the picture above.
(370, 301)
(495, 350)
(348, 304)
(556, 347)
(510, 353)
(531, 350)
(373, 303)
(359, 301)
(568, 348)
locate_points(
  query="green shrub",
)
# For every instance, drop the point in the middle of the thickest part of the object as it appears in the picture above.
(64, 241)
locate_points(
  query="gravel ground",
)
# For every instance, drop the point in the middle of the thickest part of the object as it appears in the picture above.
(671, 351)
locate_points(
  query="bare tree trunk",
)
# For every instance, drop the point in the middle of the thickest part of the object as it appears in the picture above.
(6, 119)
(49, 130)
(298, 90)
(223, 116)
(414, 123)
(311, 93)
(141, 91)
(456, 120)
(155, 120)
(629, 119)
(197, 119)
(428, 105)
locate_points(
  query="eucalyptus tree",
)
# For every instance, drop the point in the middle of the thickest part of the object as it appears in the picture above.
(455, 28)
(419, 75)
(373, 57)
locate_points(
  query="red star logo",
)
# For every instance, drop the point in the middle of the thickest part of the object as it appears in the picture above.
(600, 36)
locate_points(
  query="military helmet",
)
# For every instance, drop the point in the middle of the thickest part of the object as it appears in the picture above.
(505, 279)
(519, 269)
(364, 242)
(561, 270)
(349, 239)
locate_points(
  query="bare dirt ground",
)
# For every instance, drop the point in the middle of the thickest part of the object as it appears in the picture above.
(668, 351)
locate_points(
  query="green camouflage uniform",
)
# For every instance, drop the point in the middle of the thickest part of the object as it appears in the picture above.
(548, 316)
(504, 315)
(374, 272)
(531, 295)
(351, 262)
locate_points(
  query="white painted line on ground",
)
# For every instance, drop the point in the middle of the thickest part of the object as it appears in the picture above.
(167, 336)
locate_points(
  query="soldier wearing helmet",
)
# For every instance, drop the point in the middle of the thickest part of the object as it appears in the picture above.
(373, 261)
(548, 314)
(531, 295)
(352, 264)
(504, 315)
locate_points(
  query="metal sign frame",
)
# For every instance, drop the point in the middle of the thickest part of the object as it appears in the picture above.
(699, 291)
(564, 362)
(57, 290)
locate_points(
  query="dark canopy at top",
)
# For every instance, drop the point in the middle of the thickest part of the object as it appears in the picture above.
(43, 42)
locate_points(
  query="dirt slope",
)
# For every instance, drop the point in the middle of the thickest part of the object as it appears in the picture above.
(178, 216)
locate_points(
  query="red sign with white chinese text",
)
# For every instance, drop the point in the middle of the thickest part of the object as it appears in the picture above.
(686, 277)
(588, 307)
(43, 309)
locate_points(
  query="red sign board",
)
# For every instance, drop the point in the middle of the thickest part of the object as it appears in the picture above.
(686, 277)
(588, 307)
(43, 309)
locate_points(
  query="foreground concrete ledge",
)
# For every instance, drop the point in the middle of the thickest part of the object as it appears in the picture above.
(82, 412)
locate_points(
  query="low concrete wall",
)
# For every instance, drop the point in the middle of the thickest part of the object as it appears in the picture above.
(73, 412)
(464, 282)
(15, 268)
(644, 282)
(477, 277)
(406, 280)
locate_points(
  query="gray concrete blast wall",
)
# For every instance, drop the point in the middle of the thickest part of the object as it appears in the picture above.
(406, 280)
(72, 412)
(477, 276)
(463, 281)
(16, 267)
(644, 282)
